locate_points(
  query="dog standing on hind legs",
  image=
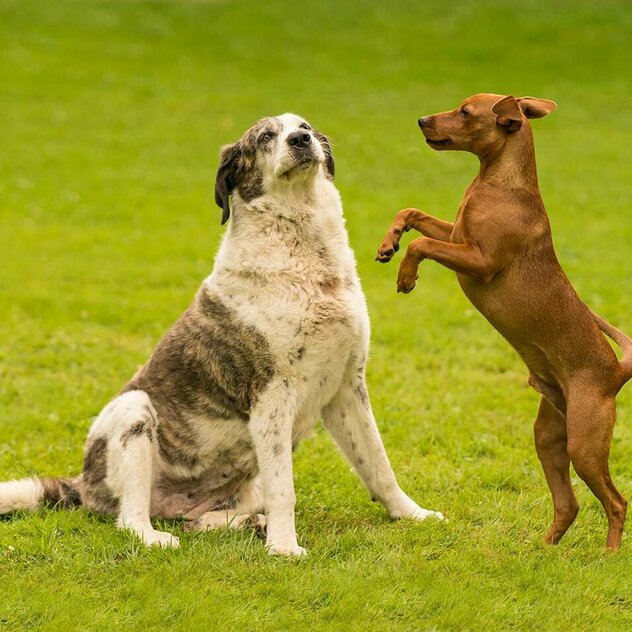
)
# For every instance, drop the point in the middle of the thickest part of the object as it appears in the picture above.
(276, 337)
(501, 249)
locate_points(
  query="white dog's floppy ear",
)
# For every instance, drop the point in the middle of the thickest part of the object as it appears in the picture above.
(329, 156)
(226, 178)
(508, 114)
(536, 108)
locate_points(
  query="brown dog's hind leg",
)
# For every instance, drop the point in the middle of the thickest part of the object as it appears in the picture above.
(553, 394)
(550, 443)
(590, 421)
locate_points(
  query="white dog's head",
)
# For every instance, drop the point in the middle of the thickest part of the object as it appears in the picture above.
(272, 153)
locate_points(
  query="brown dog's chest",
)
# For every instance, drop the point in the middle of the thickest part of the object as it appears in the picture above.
(529, 301)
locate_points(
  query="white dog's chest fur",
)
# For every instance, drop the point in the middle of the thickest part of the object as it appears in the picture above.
(294, 278)
(285, 267)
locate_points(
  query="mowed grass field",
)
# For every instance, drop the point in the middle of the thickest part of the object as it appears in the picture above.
(112, 115)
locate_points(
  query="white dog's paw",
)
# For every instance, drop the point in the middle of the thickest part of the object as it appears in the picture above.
(412, 511)
(405, 507)
(422, 514)
(288, 551)
(258, 523)
(161, 539)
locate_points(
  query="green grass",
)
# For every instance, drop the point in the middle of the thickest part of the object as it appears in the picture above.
(112, 116)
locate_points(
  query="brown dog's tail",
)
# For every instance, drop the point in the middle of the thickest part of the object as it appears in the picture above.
(625, 342)
(33, 493)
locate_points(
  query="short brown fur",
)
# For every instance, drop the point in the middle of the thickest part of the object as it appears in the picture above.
(501, 248)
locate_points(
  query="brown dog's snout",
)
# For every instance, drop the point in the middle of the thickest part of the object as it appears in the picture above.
(424, 121)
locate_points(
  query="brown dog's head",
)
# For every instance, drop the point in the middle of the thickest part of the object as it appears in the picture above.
(482, 123)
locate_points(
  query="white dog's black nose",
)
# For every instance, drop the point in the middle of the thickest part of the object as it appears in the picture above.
(300, 138)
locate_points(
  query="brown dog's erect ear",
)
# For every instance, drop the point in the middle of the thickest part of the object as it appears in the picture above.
(329, 156)
(508, 114)
(226, 178)
(536, 108)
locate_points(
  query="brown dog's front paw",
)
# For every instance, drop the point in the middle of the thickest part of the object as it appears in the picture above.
(406, 279)
(384, 256)
(387, 250)
(406, 287)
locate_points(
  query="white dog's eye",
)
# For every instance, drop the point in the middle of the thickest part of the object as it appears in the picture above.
(264, 138)
(304, 126)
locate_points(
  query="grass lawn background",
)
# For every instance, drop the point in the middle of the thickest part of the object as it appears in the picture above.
(113, 113)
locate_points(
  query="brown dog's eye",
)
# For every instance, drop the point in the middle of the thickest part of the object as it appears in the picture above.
(463, 113)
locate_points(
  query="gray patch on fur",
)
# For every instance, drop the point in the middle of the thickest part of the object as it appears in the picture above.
(239, 169)
(209, 364)
(329, 156)
(248, 176)
(61, 492)
(95, 493)
(139, 429)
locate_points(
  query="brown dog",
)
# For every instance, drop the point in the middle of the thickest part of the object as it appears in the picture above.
(501, 249)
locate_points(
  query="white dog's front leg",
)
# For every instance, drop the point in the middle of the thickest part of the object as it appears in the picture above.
(271, 431)
(349, 419)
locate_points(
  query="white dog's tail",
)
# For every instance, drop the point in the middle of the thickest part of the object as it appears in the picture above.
(33, 493)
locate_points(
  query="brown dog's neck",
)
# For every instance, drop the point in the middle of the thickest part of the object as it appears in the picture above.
(511, 165)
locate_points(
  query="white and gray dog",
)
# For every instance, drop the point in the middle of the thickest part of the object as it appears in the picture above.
(276, 337)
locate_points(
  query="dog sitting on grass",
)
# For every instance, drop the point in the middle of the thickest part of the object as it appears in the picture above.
(501, 248)
(276, 336)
